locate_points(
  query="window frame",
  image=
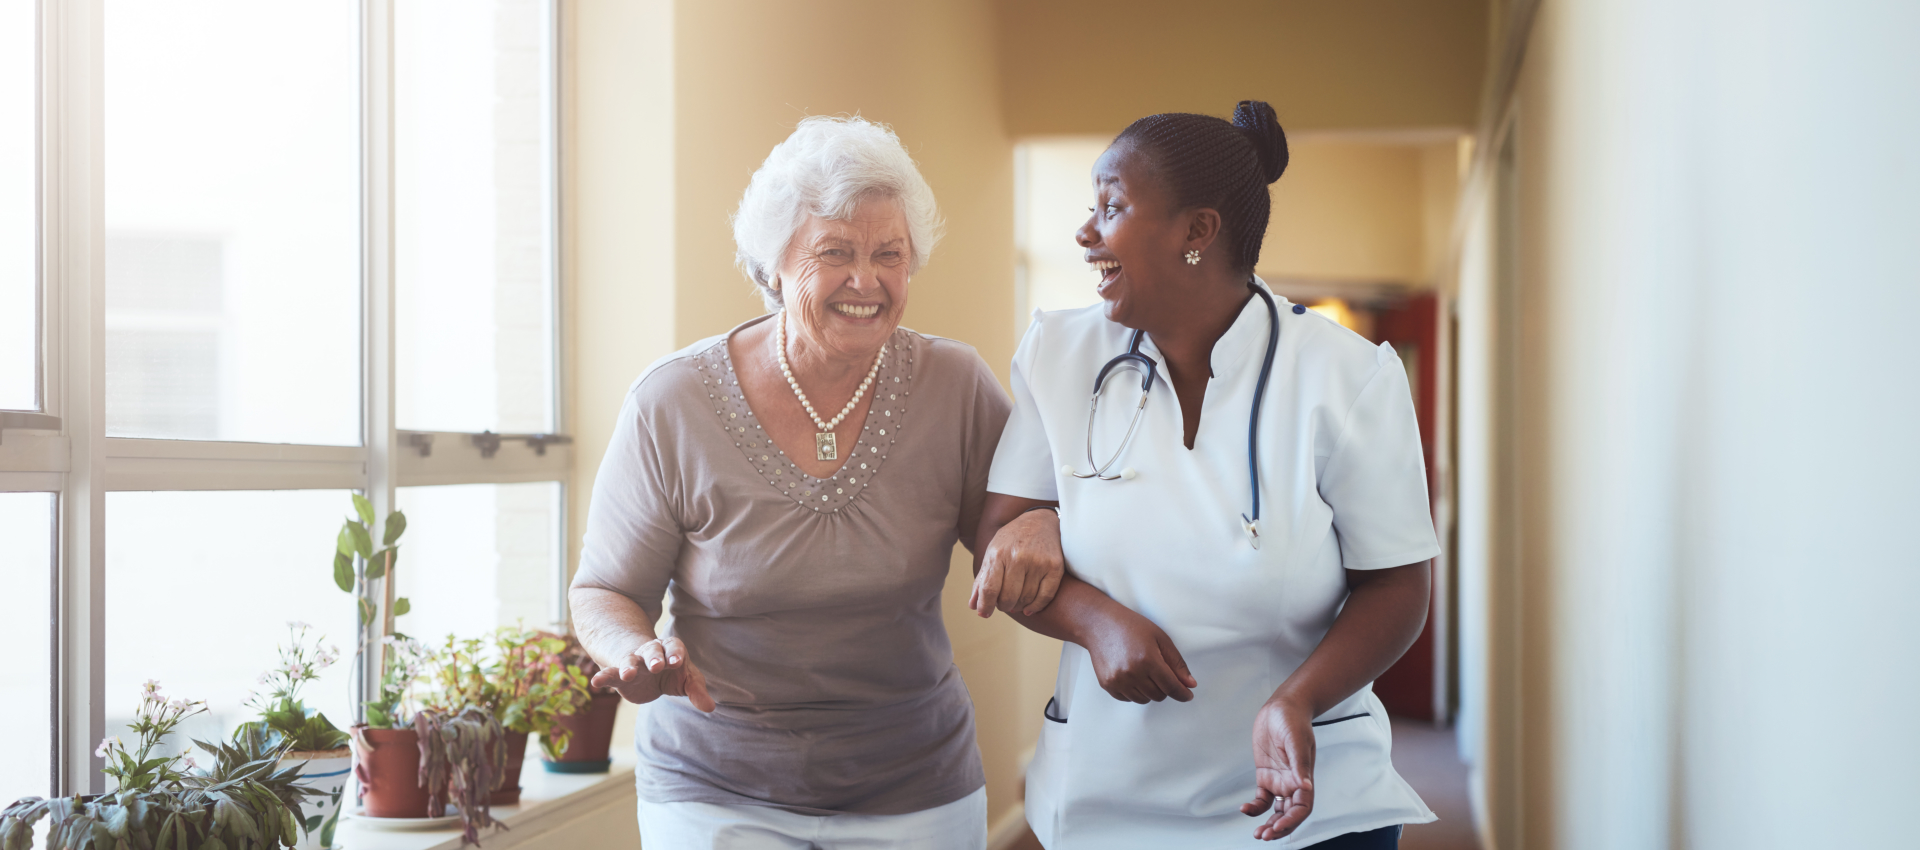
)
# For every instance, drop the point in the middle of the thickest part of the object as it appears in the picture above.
(62, 448)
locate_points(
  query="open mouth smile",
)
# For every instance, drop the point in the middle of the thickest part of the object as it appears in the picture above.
(856, 311)
(1107, 269)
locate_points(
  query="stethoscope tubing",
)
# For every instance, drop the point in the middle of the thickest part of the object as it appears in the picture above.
(1251, 523)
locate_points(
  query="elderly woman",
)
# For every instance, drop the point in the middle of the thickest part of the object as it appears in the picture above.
(795, 487)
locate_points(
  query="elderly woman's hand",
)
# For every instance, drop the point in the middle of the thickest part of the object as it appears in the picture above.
(659, 667)
(1022, 568)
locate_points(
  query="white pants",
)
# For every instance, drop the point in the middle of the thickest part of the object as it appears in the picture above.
(959, 825)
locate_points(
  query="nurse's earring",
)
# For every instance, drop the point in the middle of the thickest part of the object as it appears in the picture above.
(1193, 258)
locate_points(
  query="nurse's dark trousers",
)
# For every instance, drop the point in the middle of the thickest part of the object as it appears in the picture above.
(1384, 838)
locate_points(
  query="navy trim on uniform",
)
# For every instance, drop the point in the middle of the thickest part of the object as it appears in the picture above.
(1048, 712)
(1339, 719)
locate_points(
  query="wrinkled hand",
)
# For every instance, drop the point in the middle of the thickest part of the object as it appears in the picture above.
(1283, 751)
(1136, 661)
(1022, 568)
(659, 667)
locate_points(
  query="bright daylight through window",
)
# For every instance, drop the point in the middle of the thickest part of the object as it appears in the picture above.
(26, 696)
(19, 290)
(233, 220)
(474, 210)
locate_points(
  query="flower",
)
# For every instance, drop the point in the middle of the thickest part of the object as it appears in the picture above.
(298, 625)
(179, 705)
(187, 759)
(150, 688)
(107, 744)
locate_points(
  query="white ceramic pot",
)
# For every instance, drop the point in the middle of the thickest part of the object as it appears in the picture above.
(326, 772)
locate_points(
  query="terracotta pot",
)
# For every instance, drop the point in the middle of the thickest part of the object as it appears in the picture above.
(509, 793)
(592, 728)
(389, 774)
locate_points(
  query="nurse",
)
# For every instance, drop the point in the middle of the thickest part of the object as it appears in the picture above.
(1265, 614)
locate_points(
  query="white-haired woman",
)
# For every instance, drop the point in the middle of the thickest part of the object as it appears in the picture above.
(798, 484)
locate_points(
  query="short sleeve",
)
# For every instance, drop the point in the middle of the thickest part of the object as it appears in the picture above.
(986, 419)
(633, 534)
(1376, 480)
(1023, 465)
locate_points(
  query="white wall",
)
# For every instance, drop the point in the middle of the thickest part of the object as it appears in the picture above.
(1707, 626)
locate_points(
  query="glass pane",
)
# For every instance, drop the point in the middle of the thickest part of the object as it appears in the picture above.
(26, 630)
(233, 220)
(200, 588)
(474, 212)
(19, 319)
(479, 556)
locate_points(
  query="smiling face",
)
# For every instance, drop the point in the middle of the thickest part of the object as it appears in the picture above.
(1136, 241)
(845, 282)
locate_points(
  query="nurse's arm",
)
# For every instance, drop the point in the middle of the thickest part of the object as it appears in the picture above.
(1383, 613)
(1133, 658)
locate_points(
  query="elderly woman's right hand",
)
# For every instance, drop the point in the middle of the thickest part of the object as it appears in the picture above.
(1022, 568)
(659, 667)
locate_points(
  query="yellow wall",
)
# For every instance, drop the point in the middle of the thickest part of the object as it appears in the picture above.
(1361, 209)
(1092, 66)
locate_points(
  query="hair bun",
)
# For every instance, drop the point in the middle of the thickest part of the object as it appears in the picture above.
(1262, 127)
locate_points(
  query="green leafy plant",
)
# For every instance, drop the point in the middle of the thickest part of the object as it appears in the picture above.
(356, 565)
(281, 709)
(140, 769)
(245, 801)
(521, 679)
(463, 756)
(407, 661)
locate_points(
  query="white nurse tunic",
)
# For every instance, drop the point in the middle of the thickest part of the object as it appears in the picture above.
(1342, 486)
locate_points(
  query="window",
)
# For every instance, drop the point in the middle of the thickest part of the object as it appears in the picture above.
(26, 629)
(474, 203)
(19, 198)
(294, 266)
(233, 217)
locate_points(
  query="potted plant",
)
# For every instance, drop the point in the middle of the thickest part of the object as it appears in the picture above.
(521, 680)
(587, 737)
(247, 800)
(313, 744)
(387, 747)
(463, 759)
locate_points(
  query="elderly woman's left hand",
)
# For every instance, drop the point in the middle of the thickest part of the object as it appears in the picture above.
(1022, 568)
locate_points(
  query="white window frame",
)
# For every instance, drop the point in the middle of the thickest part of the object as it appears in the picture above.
(63, 448)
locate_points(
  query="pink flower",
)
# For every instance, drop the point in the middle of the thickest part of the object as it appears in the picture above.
(107, 745)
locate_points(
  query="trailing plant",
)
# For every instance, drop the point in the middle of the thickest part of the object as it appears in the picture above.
(245, 801)
(521, 679)
(281, 709)
(463, 756)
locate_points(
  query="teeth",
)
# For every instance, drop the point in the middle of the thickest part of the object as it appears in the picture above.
(1102, 265)
(858, 311)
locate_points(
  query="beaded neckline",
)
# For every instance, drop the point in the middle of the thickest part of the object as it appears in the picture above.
(886, 417)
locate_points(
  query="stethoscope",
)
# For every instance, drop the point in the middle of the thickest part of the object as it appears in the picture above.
(1133, 355)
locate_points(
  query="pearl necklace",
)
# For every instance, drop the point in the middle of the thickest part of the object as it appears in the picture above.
(825, 446)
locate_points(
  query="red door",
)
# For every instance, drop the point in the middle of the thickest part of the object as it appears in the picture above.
(1412, 327)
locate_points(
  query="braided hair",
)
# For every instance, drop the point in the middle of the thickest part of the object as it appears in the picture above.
(1207, 162)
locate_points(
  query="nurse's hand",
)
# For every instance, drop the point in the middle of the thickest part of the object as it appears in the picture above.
(1022, 568)
(1282, 768)
(657, 668)
(1136, 661)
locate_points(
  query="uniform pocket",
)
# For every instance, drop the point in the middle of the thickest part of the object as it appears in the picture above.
(1050, 713)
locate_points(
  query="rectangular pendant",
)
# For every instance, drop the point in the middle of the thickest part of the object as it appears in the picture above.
(824, 447)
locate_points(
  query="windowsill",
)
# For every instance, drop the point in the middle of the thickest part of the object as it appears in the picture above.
(548, 801)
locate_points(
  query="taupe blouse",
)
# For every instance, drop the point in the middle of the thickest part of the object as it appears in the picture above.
(812, 605)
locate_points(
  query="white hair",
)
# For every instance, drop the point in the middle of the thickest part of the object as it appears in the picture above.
(825, 169)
